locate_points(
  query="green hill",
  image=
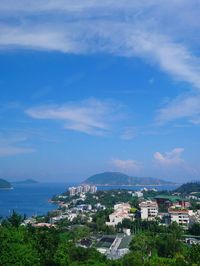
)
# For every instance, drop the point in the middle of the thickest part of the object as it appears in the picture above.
(187, 188)
(5, 184)
(116, 178)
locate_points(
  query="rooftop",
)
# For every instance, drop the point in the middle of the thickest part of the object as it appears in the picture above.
(106, 241)
(170, 198)
(125, 242)
(178, 210)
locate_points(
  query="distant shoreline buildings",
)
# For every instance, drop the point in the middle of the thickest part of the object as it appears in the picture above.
(82, 189)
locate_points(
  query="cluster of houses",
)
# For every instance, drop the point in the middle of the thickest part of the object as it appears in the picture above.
(165, 208)
(168, 208)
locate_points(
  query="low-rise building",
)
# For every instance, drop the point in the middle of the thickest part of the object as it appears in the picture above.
(138, 194)
(167, 201)
(114, 246)
(180, 216)
(121, 212)
(148, 210)
(84, 207)
(99, 206)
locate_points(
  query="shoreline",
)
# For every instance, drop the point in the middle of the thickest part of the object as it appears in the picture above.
(6, 188)
(157, 185)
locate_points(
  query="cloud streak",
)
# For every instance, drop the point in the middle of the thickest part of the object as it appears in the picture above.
(132, 29)
(92, 27)
(126, 165)
(12, 151)
(13, 145)
(92, 116)
(183, 107)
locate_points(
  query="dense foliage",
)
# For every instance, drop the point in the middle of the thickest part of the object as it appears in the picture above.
(153, 245)
(4, 184)
(189, 187)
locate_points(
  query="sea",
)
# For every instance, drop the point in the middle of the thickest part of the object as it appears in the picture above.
(33, 199)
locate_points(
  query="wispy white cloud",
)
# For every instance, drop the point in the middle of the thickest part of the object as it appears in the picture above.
(129, 133)
(121, 27)
(151, 30)
(132, 166)
(11, 151)
(174, 58)
(91, 116)
(183, 107)
(168, 159)
(65, 6)
(11, 145)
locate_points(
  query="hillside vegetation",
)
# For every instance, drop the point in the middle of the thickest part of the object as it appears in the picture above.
(187, 188)
(4, 184)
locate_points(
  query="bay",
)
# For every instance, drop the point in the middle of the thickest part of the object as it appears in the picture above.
(32, 199)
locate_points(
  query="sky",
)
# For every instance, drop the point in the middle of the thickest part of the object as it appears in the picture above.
(92, 86)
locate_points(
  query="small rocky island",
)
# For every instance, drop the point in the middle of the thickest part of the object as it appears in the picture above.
(26, 182)
(5, 184)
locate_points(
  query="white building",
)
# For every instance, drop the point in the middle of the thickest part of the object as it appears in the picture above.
(138, 194)
(122, 207)
(149, 210)
(79, 189)
(93, 189)
(72, 191)
(72, 216)
(121, 212)
(82, 189)
(181, 216)
(86, 188)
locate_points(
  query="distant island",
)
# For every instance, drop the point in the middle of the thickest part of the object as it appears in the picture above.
(27, 181)
(120, 179)
(5, 184)
(187, 188)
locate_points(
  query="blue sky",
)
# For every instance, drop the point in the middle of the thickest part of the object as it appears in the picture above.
(92, 86)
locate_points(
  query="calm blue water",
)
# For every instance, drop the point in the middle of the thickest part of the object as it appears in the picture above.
(33, 199)
(29, 199)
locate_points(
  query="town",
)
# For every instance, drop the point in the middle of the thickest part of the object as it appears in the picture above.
(108, 220)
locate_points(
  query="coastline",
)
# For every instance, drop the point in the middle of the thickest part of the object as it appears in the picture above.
(134, 185)
(6, 188)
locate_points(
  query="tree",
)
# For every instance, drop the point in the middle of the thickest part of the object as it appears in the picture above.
(195, 229)
(15, 249)
(133, 259)
(46, 242)
(15, 219)
(143, 243)
(168, 245)
(61, 257)
(175, 230)
(194, 254)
